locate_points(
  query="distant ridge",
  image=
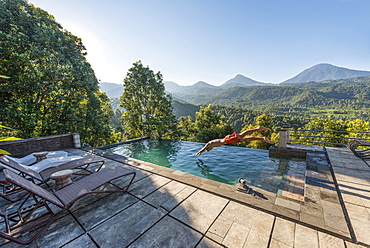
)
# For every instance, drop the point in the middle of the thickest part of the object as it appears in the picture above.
(322, 72)
(113, 90)
(202, 87)
(241, 81)
(202, 84)
(317, 73)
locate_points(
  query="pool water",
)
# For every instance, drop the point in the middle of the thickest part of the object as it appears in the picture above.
(224, 164)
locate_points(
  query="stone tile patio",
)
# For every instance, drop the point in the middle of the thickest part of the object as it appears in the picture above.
(167, 208)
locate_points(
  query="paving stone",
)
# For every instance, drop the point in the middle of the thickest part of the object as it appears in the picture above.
(357, 194)
(123, 181)
(328, 241)
(168, 232)
(10, 244)
(178, 173)
(169, 195)
(193, 180)
(199, 210)
(245, 215)
(259, 234)
(57, 234)
(284, 232)
(312, 209)
(126, 226)
(312, 194)
(147, 185)
(208, 243)
(60, 232)
(208, 187)
(231, 210)
(360, 219)
(329, 195)
(305, 237)
(333, 216)
(93, 214)
(288, 204)
(277, 244)
(236, 236)
(312, 220)
(286, 212)
(220, 228)
(188, 190)
(142, 242)
(83, 241)
(352, 245)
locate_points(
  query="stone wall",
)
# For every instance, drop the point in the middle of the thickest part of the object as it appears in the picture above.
(290, 152)
(24, 147)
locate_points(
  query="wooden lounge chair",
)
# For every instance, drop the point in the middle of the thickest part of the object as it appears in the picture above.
(364, 154)
(24, 217)
(8, 190)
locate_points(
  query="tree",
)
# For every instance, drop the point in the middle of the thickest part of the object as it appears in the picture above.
(186, 128)
(264, 121)
(6, 131)
(51, 89)
(210, 125)
(147, 108)
(326, 130)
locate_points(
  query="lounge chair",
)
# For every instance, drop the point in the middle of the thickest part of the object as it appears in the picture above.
(9, 190)
(46, 163)
(23, 218)
(364, 154)
(31, 158)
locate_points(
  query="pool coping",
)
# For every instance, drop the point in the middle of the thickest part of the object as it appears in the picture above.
(321, 208)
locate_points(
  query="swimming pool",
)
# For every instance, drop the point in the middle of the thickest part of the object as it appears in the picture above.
(224, 164)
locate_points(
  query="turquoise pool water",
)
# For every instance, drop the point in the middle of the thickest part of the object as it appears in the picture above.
(224, 164)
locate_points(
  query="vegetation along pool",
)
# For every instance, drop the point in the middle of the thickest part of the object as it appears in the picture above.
(224, 164)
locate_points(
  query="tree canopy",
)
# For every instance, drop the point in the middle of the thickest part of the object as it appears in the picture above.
(51, 88)
(147, 108)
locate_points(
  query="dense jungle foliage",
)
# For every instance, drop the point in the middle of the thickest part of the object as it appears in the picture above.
(50, 87)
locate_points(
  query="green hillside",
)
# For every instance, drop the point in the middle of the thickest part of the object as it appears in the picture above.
(345, 98)
(239, 117)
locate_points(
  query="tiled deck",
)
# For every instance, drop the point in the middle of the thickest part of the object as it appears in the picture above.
(167, 208)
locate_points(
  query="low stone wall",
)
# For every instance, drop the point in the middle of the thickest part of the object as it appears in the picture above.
(291, 152)
(24, 147)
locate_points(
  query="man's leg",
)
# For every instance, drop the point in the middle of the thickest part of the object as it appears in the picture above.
(249, 131)
(250, 138)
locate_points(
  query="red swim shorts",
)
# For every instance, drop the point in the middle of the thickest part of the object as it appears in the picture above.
(232, 138)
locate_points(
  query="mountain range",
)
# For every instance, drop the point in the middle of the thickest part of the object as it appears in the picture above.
(317, 73)
(322, 72)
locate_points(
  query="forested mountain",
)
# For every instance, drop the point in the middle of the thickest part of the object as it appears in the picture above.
(349, 98)
(240, 80)
(322, 72)
(317, 73)
(345, 98)
(202, 87)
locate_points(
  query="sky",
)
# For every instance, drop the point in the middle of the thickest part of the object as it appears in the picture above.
(188, 41)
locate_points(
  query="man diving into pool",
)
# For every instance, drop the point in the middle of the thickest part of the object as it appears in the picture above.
(235, 138)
